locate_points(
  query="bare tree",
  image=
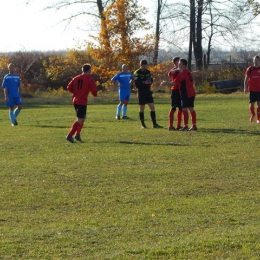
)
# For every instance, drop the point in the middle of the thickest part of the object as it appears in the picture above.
(205, 24)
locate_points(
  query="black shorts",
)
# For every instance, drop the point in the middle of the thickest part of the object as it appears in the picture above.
(188, 102)
(254, 96)
(81, 111)
(145, 98)
(176, 99)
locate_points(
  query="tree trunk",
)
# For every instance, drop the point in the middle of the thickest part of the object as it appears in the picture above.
(157, 33)
(197, 44)
(192, 31)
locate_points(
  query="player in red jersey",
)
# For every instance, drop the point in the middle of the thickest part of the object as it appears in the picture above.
(185, 83)
(80, 86)
(252, 84)
(175, 97)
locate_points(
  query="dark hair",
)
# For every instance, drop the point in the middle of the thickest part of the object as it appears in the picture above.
(184, 62)
(86, 67)
(175, 59)
(257, 57)
(143, 62)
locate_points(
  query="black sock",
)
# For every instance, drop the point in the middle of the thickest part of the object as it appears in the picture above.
(141, 116)
(152, 113)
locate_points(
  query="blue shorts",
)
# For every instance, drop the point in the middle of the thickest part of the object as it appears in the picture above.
(124, 95)
(13, 101)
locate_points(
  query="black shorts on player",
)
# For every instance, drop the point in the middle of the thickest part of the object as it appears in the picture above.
(176, 99)
(145, 98)
(81, 111)
(188, 102)
(254, 96)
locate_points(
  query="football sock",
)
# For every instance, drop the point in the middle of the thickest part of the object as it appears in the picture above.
(258, 113)
(141, 116)
(12, 116)
(79, 128)
(193, 117)
(124, 110)
(179, 116)
(74, 128)
(152, 113)
(17, 112)
(171, 117)
(252, 110)
(185, 117)
(119, 107)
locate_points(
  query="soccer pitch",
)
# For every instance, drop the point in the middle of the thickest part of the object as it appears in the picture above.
(127, 192)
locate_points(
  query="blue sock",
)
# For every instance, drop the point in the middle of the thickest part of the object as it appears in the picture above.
(12, 116)
(124, 110)
(119, 107)
(16, 112)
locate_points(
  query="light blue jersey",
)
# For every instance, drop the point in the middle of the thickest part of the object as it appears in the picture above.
(123, 79)
(12, 83)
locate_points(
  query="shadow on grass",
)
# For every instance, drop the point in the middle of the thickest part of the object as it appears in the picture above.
(155, 143)
(52, 126)
(229, 131)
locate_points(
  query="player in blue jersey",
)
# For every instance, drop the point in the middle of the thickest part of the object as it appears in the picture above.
(123, 80)
(12, 93)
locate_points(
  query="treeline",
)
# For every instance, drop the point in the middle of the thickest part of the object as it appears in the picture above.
(42, 71)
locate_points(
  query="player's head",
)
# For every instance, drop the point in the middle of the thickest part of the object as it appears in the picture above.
(175, 60)
(256, 60)
(143, 64)
(124, 68)
(86, 68)
(183, 64)
(11, 67)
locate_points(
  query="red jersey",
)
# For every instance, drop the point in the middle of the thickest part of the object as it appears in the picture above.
(173, 74)
(185, 82)
(253, 74)
(80, 86)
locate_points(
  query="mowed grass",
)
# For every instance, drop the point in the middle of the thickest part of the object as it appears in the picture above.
(127, 192)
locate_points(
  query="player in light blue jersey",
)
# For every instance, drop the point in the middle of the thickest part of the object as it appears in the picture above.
(12, 93)
(123, 80)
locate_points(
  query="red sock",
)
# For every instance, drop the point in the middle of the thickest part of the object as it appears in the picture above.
(73, 129)
(193, 117)
(171, 116)
(179, 116)
(252, 110)
(185, 117)
(258, 113)
(79, 128)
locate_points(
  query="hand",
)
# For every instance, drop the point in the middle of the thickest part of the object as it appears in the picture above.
(173, 71)
(6, 99)
(148, 81)
(163, 84)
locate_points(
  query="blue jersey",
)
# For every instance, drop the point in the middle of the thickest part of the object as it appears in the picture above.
(124, 79)
(12, 83)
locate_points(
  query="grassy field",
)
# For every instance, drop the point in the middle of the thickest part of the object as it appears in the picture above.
(127, 192)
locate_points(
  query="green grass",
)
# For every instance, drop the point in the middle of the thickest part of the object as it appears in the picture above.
(127, 192)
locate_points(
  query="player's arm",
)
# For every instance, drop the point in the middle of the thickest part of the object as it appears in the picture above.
(172, 72)
(20, 89)
(93, 88)
(6, 94)
(70, 86)
(246, 84)
(116, 83)
(168, 84)
(137, 80)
